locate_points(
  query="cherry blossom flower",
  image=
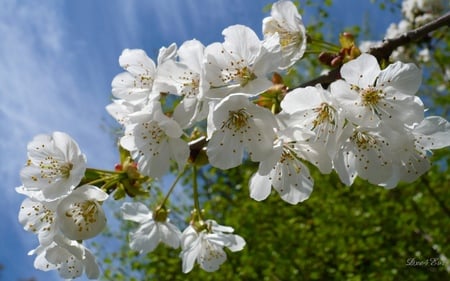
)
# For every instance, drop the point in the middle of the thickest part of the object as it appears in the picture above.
(365, 152)
(153, 140)
(285, 172)
(241, 64)
(54, 167)
(39, 217)
(153, 228)
(206, 246)
(287, 23)
(314, 109)
(68, 257)
(412, 147)
(182, 77)
(236, 123)
(369, 94)
(80, 215)
(135, 84)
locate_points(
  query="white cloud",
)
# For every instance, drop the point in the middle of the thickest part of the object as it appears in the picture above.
(40, 92)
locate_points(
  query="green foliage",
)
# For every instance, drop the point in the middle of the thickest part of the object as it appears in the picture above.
(361, 232)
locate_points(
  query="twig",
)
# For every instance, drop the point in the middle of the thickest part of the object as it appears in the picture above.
(386, 48)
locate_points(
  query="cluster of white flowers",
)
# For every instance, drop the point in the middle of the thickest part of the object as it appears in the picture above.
(368, 124)
(217, 83)
(59, 211)
(203, 242)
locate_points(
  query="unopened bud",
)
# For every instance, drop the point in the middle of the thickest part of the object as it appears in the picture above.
(347, 40)
(326, 58)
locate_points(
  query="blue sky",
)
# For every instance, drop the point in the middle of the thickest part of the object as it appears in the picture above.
(57, 61)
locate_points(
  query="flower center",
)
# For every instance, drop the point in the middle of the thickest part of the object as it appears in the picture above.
(371, 96)
(289, 38)
(363, 140)
(51, 168)
(191, 87)
(46, 216)
(325, 114)
(160, 214)
(237, 119)
(245, 75)
(83, 214)
(152, 130)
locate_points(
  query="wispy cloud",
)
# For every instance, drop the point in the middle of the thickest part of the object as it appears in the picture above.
(39, 93)
(57, 60)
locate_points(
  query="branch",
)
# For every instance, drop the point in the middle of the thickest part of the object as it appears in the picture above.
(380, 52)
(386, 48)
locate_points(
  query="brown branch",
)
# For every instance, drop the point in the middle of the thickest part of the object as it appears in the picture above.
(386, 48)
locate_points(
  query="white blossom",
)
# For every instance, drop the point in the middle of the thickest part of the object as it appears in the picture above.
(135, 85)
(68, 257)
(236, 124)
(365, 152)
(314, 109)
(54, 167)
(206, 246)
(182, 77)
(39, 217)
(370, 95)
(151, 230)
(80, 215)
(412, 147)
(241, 64)
(153, 140)
(283, 171)
(286, 22)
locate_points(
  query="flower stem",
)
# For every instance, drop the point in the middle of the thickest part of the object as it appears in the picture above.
(195, 187)
(173, 186)
(322, 45)
(100, 171)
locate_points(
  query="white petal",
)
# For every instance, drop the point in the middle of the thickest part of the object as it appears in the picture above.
(189, 255)
(135, 211)
(232, 241)
(361, 71)
(224, 150)
(166, 54)
(146, 238)
(266, 165)
(191, 54)
(404, 77)
(41, 263)
(90, 192)
(345, 169)
(137, 62)
(91, 267)
(242, 40)
(170, 234)
(433, 132)
(301, 99)
(211, 256)
(124, 86)
(218, 227)
(260, 187)
(179, 150)
(292, 181)
(185, 111)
